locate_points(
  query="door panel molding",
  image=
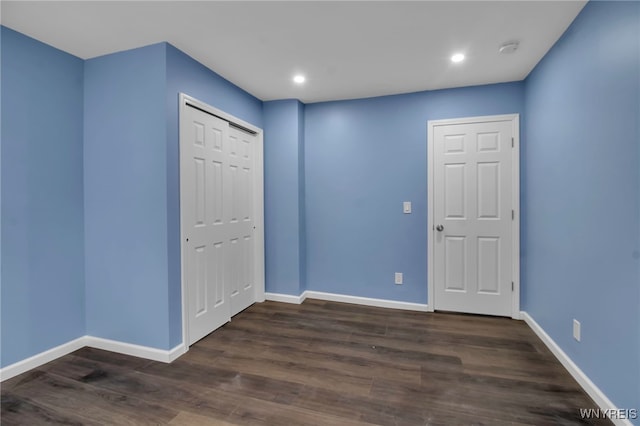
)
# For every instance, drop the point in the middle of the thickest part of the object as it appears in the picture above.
(486, 143)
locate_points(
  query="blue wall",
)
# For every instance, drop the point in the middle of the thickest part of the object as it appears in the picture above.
(363, 158)
(42, 197)
(125, 179)
(582, 196)
(133, 210)
(110, 123)
(284, 196)
(186, 75)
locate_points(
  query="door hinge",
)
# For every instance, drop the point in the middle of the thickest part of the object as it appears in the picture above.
(513, 215)
(512, 143)
(512, 285)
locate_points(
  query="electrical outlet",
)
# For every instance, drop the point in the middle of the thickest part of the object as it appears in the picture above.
(398, 277)
(576, 329)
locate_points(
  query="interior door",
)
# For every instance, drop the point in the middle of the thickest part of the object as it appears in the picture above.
(204, 172)
(472, 217)
(240, 221)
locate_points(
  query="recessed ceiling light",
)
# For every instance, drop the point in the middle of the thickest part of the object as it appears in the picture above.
(299, 79)
(458, 57)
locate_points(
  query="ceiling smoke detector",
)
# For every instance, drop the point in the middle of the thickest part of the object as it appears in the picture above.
(509, 47)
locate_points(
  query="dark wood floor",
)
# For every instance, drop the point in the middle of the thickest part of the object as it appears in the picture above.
(319, 363)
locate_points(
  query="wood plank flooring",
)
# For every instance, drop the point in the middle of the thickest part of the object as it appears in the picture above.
(319, 363)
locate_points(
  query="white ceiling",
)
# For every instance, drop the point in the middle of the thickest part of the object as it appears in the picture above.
(346, 49)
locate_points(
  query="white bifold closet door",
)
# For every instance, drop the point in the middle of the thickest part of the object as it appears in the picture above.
(217, 220)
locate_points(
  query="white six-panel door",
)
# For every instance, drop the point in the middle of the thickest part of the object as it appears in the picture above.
(473, 216)
(217, 197)
(240, 221)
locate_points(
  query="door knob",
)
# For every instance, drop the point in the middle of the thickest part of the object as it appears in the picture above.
(439, 228)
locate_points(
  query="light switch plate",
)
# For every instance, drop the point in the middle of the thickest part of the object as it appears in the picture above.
(399, 277)
(406, 207)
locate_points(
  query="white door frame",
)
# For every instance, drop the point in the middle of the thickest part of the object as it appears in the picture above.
(515, 192)
(258, 207)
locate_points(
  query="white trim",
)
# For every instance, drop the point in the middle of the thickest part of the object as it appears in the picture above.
(515, 250)
(258, 219)
(285, 298)
(183, 288)
(430, 223)
(356, 300)
(218, 112)
(135, 350)
(258, 205)
(172, 354)
(41, 358)
(583, 380)
(176, 352)
(367, 301)
(515, 224)
(49, 355)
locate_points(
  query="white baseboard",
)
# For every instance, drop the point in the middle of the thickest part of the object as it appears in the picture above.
(172, 354)
(92, 342)
(40, 359)
(356, 300)
(177, 352)
(135, 350)
(284, 298)
(367, 301)
(583, 380)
